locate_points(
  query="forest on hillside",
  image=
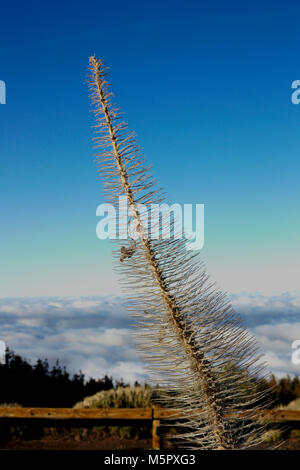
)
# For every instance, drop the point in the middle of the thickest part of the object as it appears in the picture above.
(39, 385)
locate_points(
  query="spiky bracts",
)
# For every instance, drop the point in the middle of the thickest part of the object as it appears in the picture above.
(196, 348)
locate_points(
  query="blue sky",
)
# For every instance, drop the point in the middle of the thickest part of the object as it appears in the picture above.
(207, 88)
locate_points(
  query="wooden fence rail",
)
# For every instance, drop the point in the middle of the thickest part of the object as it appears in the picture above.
(85, 417)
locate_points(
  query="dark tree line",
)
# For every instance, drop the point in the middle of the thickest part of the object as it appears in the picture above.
(41, 386)
(285, 389)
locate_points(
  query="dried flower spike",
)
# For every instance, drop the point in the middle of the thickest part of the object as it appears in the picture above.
(208, 366)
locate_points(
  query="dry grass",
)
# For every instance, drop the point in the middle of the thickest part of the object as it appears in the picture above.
(9, 405)
(272, 435)
(122, 397)
(293, 405)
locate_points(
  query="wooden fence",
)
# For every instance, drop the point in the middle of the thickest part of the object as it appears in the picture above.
(86, 417)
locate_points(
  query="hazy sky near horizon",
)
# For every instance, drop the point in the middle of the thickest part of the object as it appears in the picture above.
(207, 88)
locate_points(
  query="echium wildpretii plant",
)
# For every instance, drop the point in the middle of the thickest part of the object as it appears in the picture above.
(195, 346)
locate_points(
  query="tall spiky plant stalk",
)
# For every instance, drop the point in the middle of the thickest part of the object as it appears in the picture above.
(193, 342)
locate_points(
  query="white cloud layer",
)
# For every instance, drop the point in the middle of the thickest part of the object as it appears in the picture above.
(93, 334)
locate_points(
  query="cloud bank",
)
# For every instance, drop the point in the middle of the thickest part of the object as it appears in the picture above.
(93, 334)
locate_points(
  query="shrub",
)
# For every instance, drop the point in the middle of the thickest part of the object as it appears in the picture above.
(293, 405)
(121, 397)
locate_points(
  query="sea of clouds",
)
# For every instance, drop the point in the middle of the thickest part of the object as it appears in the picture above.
(93, 334)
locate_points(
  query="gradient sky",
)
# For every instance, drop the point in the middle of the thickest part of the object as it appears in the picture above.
(207, 88)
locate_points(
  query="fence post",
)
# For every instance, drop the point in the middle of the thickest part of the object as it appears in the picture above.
(156, 438)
